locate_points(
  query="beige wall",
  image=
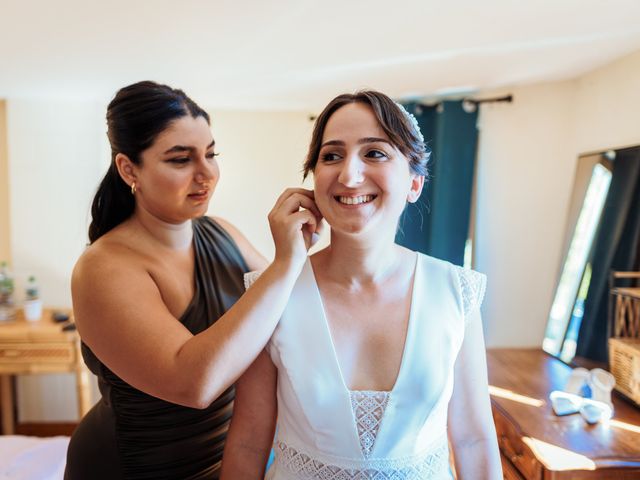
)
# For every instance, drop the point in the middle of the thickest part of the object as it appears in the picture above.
(5, 220)
(261, 153)
(525, 163)
(527, 157)
(57, 153)
(608, 106)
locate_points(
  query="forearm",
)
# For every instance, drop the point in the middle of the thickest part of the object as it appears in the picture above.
(220, 354)
(253, 423)
(478, 459)
(243, 461)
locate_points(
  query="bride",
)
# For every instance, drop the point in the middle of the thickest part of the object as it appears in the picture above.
(378, 362)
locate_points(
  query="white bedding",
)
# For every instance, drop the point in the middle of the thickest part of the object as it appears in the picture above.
(32, 458)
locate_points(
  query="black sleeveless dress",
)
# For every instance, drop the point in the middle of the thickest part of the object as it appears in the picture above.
(132, 435)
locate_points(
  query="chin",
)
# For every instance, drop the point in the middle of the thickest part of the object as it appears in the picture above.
(349, 228)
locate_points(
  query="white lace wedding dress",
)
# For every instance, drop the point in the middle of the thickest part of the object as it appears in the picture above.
(325, 431)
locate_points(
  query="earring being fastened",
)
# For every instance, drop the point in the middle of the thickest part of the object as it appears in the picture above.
(133, 188)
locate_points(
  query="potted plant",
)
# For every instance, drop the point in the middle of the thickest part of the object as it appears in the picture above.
(32, 302)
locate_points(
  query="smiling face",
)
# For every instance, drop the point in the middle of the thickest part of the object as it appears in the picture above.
(178, 172)
(361, 179)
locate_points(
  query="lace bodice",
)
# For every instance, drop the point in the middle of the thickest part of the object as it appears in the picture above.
(368, 409)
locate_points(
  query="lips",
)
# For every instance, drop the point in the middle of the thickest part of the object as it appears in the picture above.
(199, 195)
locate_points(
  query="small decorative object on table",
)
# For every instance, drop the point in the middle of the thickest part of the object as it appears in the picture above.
(7, 307)
(32, 302)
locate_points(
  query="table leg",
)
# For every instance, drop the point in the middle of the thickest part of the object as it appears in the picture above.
(6, 401)
(84, 391)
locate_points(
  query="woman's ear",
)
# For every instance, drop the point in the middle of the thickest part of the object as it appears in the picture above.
(417, 182)
(126, 168)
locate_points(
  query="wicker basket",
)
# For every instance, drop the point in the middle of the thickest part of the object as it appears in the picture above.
(624, 363)
(624, 344)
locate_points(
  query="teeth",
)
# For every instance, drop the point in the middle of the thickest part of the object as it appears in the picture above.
(355, 200)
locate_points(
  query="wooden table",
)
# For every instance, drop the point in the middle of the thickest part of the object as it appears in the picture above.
(33, 347)
(537, 444)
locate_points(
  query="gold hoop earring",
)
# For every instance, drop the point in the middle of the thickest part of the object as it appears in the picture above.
(133, 188)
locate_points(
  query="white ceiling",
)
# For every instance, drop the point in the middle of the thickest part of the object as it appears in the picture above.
(299, 53)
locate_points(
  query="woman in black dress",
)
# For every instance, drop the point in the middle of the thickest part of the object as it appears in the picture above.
(156, 295)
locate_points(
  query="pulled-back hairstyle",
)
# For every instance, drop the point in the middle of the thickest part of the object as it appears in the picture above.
(135, 117)
(394, 121)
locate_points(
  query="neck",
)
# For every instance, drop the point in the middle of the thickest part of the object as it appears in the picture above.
(175, 236)
(355, 260)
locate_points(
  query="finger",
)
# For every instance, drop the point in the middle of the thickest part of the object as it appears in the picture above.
(309, 235)
(291, 191)
(304, 219)
(297, 201)
(320, 227)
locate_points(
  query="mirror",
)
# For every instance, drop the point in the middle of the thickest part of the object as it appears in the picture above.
(590, 189)
(603, 234)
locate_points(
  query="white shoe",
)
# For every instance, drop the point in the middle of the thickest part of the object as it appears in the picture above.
(564, 403)
(577, 380)
(594, 411)
(601, 383)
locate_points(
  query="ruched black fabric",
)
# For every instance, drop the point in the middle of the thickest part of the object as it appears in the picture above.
(132, 435)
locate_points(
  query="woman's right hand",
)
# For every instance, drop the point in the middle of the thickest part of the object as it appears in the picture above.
(294, 220)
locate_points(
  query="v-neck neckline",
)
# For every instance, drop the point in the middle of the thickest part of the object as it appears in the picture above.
(408, 335)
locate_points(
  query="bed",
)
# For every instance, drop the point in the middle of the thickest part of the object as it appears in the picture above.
(32, 458)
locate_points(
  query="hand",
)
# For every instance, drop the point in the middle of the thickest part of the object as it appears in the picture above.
(294, 221)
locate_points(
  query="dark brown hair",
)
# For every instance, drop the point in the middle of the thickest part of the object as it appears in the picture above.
(393, 120)
(135, 117)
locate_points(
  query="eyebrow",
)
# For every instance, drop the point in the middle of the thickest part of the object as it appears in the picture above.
(182, 148)
(360, 142)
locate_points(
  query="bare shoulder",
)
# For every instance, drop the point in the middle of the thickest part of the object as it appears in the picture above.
(103, 258)
(106, 274)
(255, 260)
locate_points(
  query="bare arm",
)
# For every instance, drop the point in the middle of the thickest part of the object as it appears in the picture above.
(122, 317)
(471, 429)
(253, 423)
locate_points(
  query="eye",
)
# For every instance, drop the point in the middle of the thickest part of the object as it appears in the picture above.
(330, 157)
(179, 160)
(376, 154)
(211, 155)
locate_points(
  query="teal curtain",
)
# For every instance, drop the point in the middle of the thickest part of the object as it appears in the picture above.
(438, 223)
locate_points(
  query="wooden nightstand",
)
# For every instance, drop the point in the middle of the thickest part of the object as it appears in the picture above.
(537, 444)
(33, 347)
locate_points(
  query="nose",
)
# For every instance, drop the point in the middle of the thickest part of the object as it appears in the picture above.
(206, 171)
(351, 171)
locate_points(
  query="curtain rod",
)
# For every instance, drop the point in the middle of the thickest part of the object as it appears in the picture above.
(470, 105)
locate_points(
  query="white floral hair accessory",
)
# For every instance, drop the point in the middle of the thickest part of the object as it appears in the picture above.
(412, 119)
